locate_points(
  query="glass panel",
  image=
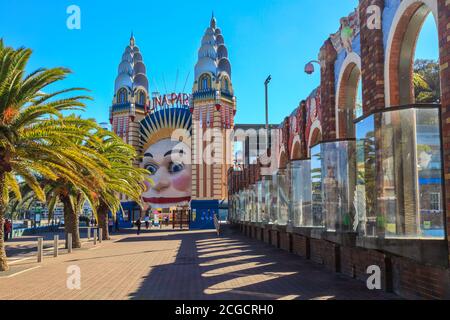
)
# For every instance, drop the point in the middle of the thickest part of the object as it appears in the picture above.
(409, 178)
(260, 201)
(252, 203)
(301, 193)
(429, 166)
(267, 183)
(316, 186)
(365, 177)
(274, 207)
(338, 186)
(282, 197)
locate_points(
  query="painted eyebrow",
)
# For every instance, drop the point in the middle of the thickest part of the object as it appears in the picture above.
(148, 155)
(173, 151)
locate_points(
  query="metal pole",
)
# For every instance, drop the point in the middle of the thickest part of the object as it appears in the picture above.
(40, 250)
(55, 246)
(100, 235)
(69, 243)
(266, 86)
(89, 233)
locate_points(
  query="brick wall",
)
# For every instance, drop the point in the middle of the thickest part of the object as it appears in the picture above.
(325, 253)
(259, 234)
(300, 245)
(328, 57)
(372, 60)
(444, 45)
(285, 241)
(274, 235)
(267, 236)
(414, 281)
(355, 261)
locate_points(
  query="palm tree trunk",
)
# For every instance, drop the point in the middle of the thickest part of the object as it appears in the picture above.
(3, 260)
(103, 219)
(71, 222)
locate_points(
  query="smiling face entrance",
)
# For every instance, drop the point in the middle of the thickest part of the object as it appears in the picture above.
(171, 173)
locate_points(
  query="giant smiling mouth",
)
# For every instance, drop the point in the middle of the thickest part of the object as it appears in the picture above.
(167, 200)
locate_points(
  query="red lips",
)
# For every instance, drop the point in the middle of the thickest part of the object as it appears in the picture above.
(166, 200)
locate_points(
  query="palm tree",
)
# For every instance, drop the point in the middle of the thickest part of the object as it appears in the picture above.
(122, 178)
(35, 140)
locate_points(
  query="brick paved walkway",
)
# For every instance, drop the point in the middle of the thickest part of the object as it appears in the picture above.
(179, 265)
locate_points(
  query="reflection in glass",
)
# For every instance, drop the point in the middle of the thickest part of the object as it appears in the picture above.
(365, 177)
(338, 184)
(282, 191)
(408, 200)
(267, 189)
(301, 193)
(316, 186)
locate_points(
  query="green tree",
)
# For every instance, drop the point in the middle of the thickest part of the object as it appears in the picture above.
(35, 140)
(121, 178)
(427, 87)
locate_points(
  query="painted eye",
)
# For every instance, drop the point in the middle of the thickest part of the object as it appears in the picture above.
(151, 168)
(176, 167)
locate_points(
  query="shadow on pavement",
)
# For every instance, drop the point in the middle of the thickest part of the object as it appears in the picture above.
(256, 271)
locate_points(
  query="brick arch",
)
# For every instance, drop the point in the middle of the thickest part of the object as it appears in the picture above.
(296, 153)
(316, 134)
(283, 159)
(400, 50)
(346, 94)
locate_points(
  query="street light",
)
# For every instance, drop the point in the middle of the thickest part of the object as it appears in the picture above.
(309, 67)
(266, 85)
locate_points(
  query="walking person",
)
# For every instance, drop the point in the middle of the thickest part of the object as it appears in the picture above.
(110, 225)
(7, 229)
(138, 225)
(117, 224)
(147, 221)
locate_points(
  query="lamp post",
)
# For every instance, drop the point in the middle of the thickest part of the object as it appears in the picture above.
(266, 86)
(309, 67)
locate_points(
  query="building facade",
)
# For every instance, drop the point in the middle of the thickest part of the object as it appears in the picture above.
(150, 123)
(353, 186)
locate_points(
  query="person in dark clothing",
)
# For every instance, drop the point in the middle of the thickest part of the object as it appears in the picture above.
(138, 224)
(117, 225)
(7, 228)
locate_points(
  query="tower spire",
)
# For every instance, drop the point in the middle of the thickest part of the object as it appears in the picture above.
(132, 40)
(213, 21)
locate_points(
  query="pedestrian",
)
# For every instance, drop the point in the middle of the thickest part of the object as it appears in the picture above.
(7, 229)
(110, 225)
(117, 224)
(147, 221)
(138, 225)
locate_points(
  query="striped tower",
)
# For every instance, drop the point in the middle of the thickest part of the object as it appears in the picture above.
(213, 107)
(131, 96)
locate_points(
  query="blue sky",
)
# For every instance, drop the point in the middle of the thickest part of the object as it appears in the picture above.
(263, 37)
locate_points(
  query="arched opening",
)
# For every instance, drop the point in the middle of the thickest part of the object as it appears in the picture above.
(410, 186)
(205, 82)
(283, 160)
(141, 98)
(413, 17)
(349, 96)
(122, 96)
(315, 137)
(296, 153)
(225, 85)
